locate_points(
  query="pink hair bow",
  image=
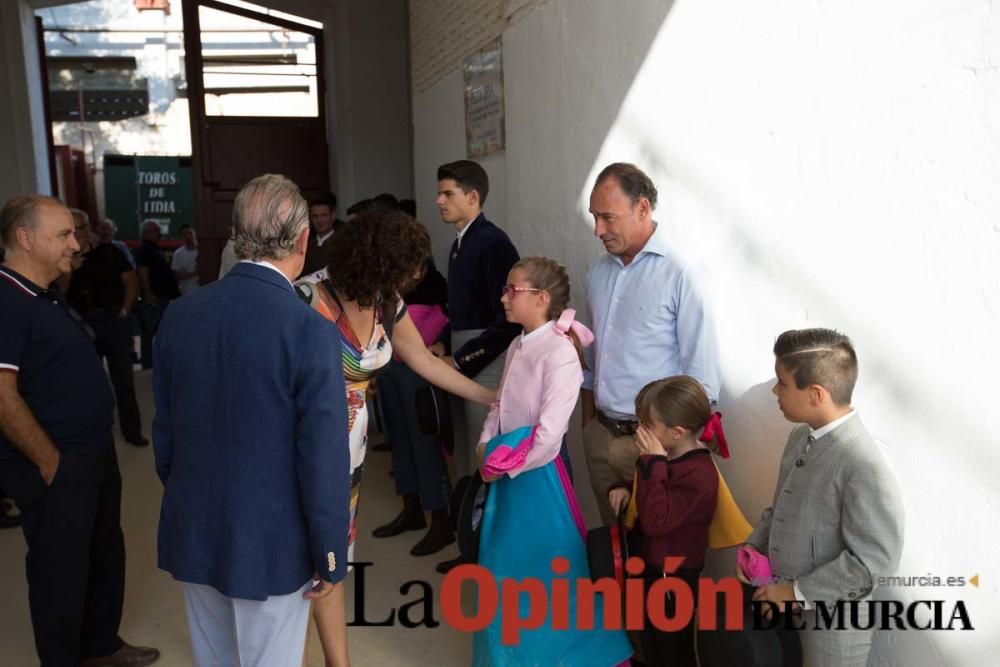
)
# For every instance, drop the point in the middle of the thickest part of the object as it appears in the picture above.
(713, 429)
(567, 321)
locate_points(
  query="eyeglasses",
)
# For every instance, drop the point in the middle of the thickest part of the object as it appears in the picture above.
(510, 291)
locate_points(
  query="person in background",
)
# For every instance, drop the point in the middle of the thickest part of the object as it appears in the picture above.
(324, 223)
(419, 468)
(387, 199)
(106, 230)
(363, 207)
(229, 257)
(157, 287)
(185, 261)
(409, 207)
(57, 450)
(103, 289)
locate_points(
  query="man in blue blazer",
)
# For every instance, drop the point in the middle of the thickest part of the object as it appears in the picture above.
(250, 437)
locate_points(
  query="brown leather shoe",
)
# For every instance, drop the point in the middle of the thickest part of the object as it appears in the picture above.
(132, 656)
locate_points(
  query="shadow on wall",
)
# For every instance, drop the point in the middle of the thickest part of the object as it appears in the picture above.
(757, 433)
(894, 381)
(543, 55)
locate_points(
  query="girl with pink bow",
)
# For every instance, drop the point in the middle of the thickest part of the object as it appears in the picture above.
(531, 515)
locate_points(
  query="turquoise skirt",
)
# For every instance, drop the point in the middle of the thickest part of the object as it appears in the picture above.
(528, 521)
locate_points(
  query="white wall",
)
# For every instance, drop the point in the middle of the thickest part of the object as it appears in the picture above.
(370, 98)
(837, 165)
(439, 137)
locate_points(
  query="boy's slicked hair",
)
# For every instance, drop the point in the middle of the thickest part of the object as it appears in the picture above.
(469, 176)
(819, 356)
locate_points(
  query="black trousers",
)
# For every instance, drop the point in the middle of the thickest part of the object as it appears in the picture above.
(418, 463)
(149, 321)
(670, 649)
(114, 343)
(76, 553)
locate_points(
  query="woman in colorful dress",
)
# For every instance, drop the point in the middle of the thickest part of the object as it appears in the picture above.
(373, 259)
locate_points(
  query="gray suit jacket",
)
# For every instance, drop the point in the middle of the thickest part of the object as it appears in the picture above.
(836, 522)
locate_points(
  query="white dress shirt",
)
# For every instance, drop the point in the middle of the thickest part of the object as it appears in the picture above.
(268, 265)
(461, 232)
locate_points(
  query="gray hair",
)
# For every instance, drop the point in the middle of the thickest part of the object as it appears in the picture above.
(21, 211)
(269, 214)
(83, 215)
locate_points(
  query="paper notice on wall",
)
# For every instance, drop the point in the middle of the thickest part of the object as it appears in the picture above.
(485, 131)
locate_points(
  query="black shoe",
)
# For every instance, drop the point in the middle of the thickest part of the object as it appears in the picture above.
(137, 441)
(9, 516)
(131, 656)
(411, 518)
(437, 538)
(449, 565)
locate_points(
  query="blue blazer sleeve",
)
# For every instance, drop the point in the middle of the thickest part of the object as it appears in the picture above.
(321, 449)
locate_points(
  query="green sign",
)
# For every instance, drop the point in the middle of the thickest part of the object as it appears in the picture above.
(147, 187)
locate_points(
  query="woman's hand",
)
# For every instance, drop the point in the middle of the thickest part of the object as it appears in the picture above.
(619, 497)
(486, 396)
(647, 442)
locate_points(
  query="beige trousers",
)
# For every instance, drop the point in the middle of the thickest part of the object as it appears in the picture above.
(609, 460)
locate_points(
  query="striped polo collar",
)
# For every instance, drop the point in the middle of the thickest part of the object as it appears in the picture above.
(19, 281)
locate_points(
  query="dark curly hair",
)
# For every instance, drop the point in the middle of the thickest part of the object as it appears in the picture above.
(375, 255)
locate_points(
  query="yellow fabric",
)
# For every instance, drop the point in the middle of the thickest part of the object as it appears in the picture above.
(728, 528)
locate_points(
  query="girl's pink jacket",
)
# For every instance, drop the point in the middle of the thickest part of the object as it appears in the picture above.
(540, 385)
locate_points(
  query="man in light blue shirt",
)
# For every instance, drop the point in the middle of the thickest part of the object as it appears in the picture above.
(649, 322)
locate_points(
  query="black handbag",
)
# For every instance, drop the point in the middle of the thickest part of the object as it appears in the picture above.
(433, 407)
(471, 492)
(607, 550)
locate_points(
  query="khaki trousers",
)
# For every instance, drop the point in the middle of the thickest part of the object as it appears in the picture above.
(609, 460)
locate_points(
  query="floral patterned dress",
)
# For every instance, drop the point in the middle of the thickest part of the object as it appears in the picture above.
(361, 363)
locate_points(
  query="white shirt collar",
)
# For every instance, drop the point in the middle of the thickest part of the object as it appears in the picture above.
(823, 430)
(528, 336)
(460, 233)
(268, 265)
(320, 240)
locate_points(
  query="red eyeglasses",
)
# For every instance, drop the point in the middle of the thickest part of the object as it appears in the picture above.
(510, 291)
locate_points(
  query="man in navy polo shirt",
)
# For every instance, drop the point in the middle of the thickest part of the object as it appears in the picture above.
(57, 456)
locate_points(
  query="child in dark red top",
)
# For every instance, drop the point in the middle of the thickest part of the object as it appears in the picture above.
(676, 490)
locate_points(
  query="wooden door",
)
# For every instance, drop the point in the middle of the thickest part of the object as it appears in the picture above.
(256, 96)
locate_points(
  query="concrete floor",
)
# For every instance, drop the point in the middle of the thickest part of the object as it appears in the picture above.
(154, 608)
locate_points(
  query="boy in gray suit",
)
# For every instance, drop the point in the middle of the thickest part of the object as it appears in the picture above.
(836, 522)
